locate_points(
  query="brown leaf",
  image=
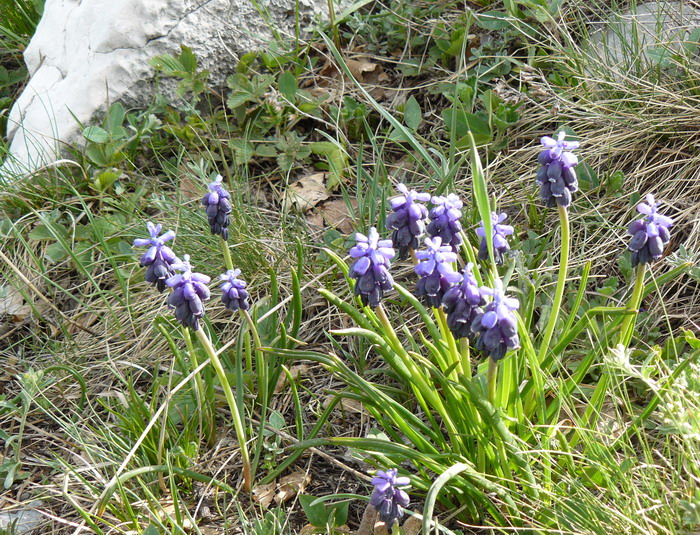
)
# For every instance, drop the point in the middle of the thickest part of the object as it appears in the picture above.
(296, 371)
(291, 485)
(264, 494)
(306, 193)
(412, 525)
(335, 214)
(360, 69)
(12, 304)
(189, 189)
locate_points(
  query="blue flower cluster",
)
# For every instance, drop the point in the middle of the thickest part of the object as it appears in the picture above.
(407, 219)
(556, 176)
(650, 235)
(499, 233)
(189, 290)
(387, 497)
(371, 269)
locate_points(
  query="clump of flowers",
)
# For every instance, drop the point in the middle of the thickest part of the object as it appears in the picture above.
(234, 295)
(499, 233)
(497, 326)
(463, 303)
(445, 220)
(556, 176)
(435, 271)
(189, 294)
(650, 235)
(218, 205)
(387, 498)
(371, 269)
(159, 258)
(407, 219)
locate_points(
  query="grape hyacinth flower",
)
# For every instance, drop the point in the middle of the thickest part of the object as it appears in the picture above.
(189, 293)
(497, 326)
(463, 303)
(234, 295)
(218, 205)
(499, 232)
(371, 269)
(435, 271)
(159, 258)
(445, 216)
(650, 235)
(407, 220)
(556, 176)
(387, 498)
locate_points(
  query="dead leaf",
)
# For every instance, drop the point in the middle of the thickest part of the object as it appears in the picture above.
(305, 193)
(264, 494)
(380, 529)
(296, 371)
(291, 485)
(335, 214)
(346, 405)
(412, 526)
(358, 68)
(189, 188)
(12, 304)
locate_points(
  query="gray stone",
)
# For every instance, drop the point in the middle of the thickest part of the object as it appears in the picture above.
(626, 39)
(88, 53)
(25, 521)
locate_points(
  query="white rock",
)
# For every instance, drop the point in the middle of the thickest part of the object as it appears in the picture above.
(25, 521)
(625, 39)
(88, 53)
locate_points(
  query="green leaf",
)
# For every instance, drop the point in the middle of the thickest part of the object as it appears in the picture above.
(104, 180)
(169, 65)
(96, 155)
(55, 253)
(243, 150)
(615, 181)
(412, 114)
(287, 84)
(187, 59)
(337, 161)
(151, 530)
(467, 122)
(317, 514)
(96, 134)
(115, 117)
(493, 20)
(41, 233)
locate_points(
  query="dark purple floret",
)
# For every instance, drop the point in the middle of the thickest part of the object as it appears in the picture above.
(435, 271)
(650, 235)
(159, 258)
(407, 220)
(233, 293)
(189, 294)
(556, 176)
(445, 220)
(371, 269)
(463, 303)
(218, 205)
(497, 326)
(500, 243)
(387, 498)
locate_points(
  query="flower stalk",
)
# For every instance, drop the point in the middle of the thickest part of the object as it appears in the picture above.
(561, 283)
(233, 406)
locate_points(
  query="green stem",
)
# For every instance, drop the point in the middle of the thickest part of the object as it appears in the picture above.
(466, 357)
(561, 282)
(233, 406)
(263, 380)
(200, 391)
(492, 380)
(227, 254)
(628, 323)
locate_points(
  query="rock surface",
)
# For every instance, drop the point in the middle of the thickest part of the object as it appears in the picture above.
(628, 37)
(88, 53)
(25, 521)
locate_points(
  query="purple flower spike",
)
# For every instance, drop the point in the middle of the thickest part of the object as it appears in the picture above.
(650, 235)
(435, 271)
(234, 295)
(445, 220)
(218, 205)
(189, 294)
(371, 269)
(387, 498)
(497, 326)
(499, 233)
(159, 258)
(463, 303)
(407, 220)
(556, 176)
